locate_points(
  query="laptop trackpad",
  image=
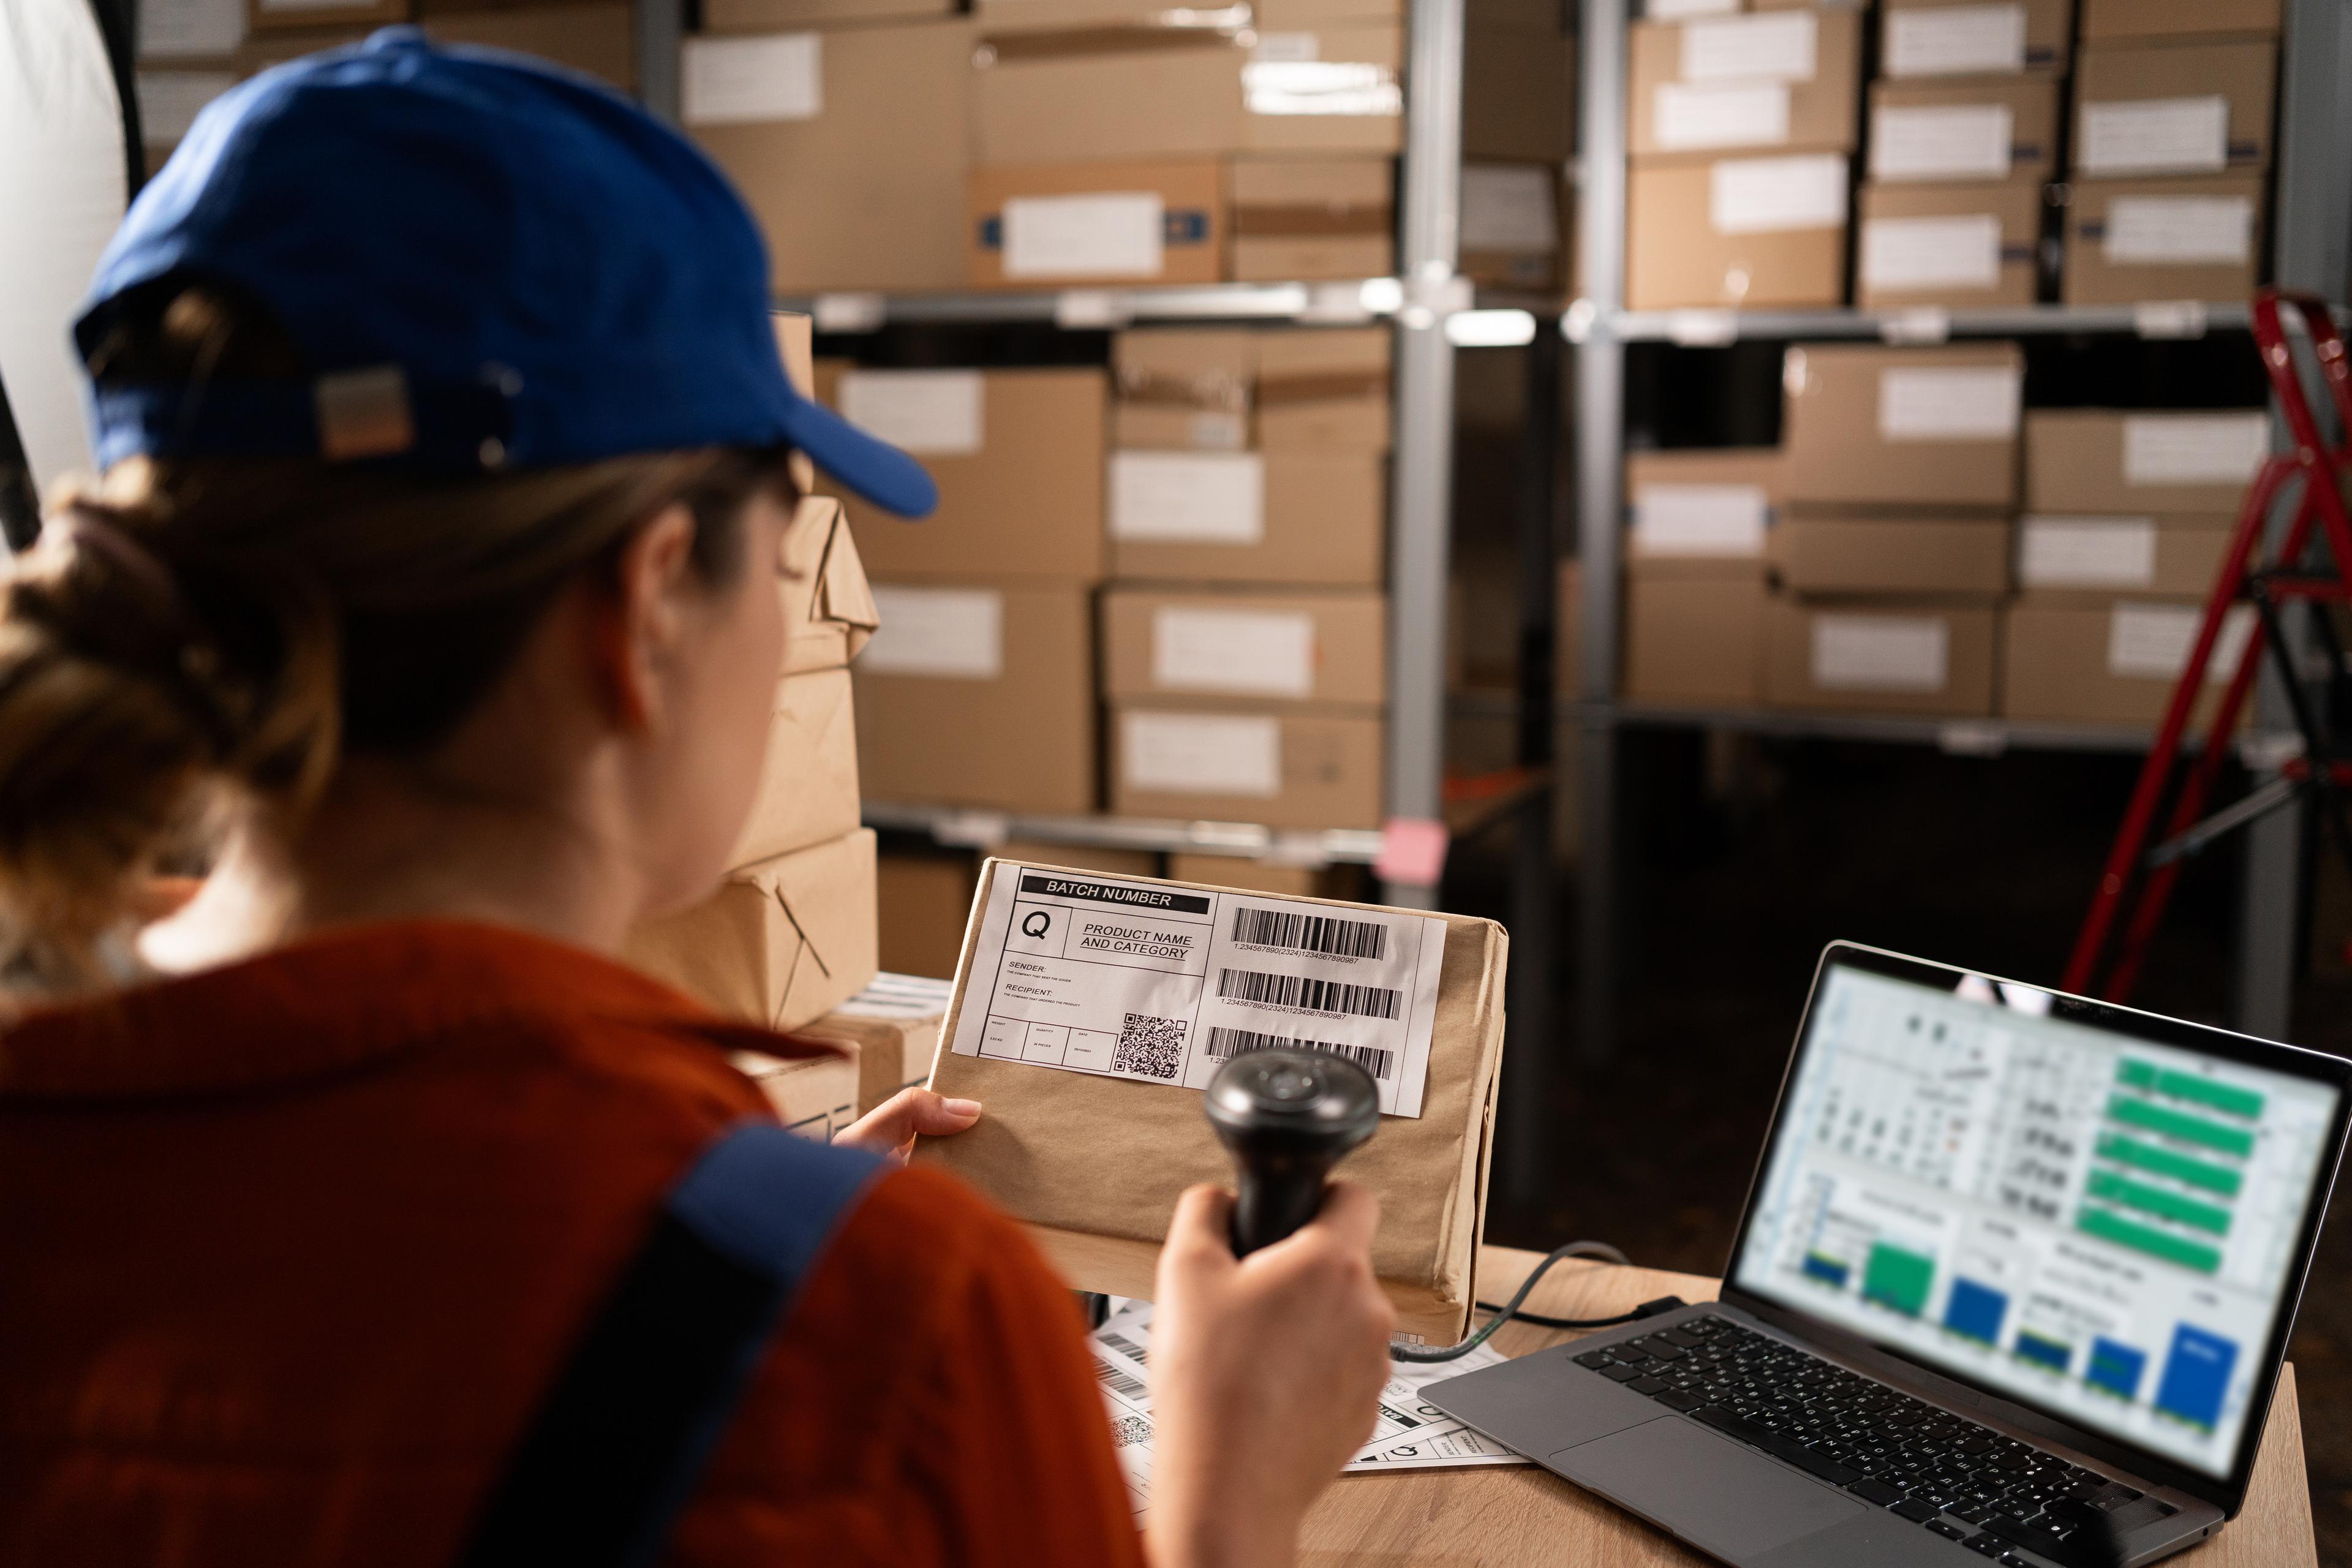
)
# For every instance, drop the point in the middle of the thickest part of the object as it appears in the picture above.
(1704, 1486)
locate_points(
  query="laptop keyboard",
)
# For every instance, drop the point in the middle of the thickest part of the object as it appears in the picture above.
(1964, 1481)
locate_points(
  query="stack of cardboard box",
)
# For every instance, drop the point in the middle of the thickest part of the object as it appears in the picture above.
(1694, 574)
(1245, 636)
(791, 932)
(1963, 138)
(2129, 516)
(2173, 103)
(1894, 556)
(1742, 131)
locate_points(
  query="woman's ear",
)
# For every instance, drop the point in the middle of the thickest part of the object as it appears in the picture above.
(635, 626)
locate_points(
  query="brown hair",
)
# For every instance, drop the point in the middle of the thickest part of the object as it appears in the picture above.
(193, 639)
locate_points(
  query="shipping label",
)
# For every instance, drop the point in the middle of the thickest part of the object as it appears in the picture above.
(2195, 448)
(2179, 231)
(1956, 40)
(1188, 498)
(747, 81)
(1162, 984)
(1961, 403)
(1942, 141)
(1202, 753)
(957, 634)
(1880, 653)
(1700, 520)
(1958, 252)
(2086, 551)
(2152, 642)
(930, 413)
(1237, 653)
(1113, 234)
(1784, 45)
(2156, 136)
(1777, 196)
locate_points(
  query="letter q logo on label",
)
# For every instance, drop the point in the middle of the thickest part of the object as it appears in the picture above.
(1037, 924)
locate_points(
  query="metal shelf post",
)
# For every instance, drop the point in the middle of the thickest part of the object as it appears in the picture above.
(660, 25)
(1421, 504)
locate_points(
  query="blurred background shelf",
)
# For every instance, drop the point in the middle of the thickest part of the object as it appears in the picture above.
(964, 828)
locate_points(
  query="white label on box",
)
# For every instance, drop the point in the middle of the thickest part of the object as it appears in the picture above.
(957, 634)
(2195, 448)
(2179, 231)
(1678, 10)
(930, 413)
(169, 101)
(2152, 642)
(189, 28)
(2156, 136)
(1956, 40)
(1963, 403)
(1751, 114)
(1961, 252)
(1288, 46)
(1240, 653)
(1942, 141)
(1775, 195)
(1881, 653)
(1216, 432)
(1355, 87)
(2086, 551)
(1189, 497)
(1782, 46)
(1202, 753)
(1162, 984)
(1510, 207)
(1114, 234)
(1700, 520)
(747, 81)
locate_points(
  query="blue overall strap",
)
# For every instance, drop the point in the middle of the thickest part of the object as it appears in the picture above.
(618, 1444)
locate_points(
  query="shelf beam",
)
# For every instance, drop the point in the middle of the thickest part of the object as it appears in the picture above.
(967, 828)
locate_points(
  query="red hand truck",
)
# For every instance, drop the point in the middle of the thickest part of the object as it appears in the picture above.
(2247, 576)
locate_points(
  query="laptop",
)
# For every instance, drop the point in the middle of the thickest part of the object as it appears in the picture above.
(2013, 1283)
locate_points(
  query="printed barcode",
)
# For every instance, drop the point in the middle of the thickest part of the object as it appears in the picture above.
(1117, 1380)
(1303, 991)
(1311, 933)
(1373, 1059)
(1119, 1342)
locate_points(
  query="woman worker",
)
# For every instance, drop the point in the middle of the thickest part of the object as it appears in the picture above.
(427, 598)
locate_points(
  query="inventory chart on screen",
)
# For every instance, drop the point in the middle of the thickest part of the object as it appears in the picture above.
(2097, 1224)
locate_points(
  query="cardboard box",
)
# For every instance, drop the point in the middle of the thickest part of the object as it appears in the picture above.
(1056, 98)
(1952, 245)
(2142, 110)
(1018, 457)
(1249, 517)
(1969, 38)
(2129, 240)
(1095, 1163)
(599, 39)
(1996, 128)
(1942, 556)
(923, 898)
(1300, 219)
(183, 30)
(1052, 226)
(1226, 390)
(2116, 663)
(1284, 649)
(1223, 762)
(783, 15)
(808, 788)
(1694, 511)
(1324, 390)
(282, 15)
(1891, 656)
(2068, 559)
(1100, 857)
(981, 694)
(779, 943)
(1693, 641)
(1786, 79)
(1258, 876)
(829, 604)
(2104, 461)
(844, 145)
(1514, 227)
(1924, 427)
(814, 1096)
(892, 1028)
(1738, 232)
(2108, 21)
(1524, 107)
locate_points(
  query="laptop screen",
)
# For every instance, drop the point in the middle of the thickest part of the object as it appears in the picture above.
(2101, 1225)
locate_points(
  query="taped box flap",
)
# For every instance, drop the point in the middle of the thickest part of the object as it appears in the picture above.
(1103, 1156)
(829, 611)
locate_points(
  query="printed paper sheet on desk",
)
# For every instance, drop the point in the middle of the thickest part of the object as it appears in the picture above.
(1410, 1433)
(1161, 984)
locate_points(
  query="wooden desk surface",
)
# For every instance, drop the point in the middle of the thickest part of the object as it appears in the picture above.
(1454, 1519)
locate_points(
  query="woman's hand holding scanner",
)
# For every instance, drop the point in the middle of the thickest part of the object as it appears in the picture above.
(1267, 1373)
(891, 1127)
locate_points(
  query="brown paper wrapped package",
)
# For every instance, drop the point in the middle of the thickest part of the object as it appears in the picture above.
(1095, 1163)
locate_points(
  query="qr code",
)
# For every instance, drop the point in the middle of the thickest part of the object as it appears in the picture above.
(1150, 1045)
(1127, 1429)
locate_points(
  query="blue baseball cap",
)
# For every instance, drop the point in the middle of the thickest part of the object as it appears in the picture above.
(486, 263)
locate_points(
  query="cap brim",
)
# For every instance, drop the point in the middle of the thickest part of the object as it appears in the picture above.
(875, 471)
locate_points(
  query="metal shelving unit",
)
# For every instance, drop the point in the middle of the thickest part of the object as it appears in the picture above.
(973, 829)
(2312, 251)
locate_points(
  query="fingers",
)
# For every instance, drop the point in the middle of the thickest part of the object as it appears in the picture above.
(1201, 1229)
(895, 1123)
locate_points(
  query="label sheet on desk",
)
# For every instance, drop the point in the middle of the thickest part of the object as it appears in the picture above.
(1161, 984)
(1411, 1433)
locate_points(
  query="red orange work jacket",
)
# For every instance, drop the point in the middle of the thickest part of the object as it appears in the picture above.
(288, 1251)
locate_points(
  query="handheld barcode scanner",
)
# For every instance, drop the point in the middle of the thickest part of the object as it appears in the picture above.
(1286, 1116)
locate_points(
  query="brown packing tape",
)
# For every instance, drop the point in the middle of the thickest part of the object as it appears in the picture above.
(1337, 387)
(1098, 1162)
